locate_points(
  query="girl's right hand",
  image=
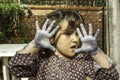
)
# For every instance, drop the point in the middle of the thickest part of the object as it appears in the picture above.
(43, 35)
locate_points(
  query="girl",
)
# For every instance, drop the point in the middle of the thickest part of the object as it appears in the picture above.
(60, 51)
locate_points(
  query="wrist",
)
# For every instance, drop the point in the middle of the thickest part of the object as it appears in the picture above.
(36, 45)
(29, 48)
(96, 51)
(101, 59)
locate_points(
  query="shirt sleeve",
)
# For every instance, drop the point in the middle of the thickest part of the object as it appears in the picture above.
(101, 73)
(107, 73)
(23, 65)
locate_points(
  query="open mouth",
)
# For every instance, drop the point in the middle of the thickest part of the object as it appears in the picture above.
(74, 47)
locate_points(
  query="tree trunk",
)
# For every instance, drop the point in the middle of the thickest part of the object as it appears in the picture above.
(114, 31)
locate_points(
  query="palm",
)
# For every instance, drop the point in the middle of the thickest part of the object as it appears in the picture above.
(42, 36)
(89, 43)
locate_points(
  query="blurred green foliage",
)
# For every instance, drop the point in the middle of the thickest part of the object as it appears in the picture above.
(65, 2)
(9, 18)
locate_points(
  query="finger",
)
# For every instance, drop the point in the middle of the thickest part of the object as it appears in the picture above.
(37, 26)
(52, 48)
(45, 24)
(79, 33)
(51, 26)
(83, 29)
(97, 32)
(79, 50)
(90, 29)
(54, 31)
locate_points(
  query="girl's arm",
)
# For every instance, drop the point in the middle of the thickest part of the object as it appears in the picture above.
(101, 59)
(103, 71)
(29, 48)
(24, 65)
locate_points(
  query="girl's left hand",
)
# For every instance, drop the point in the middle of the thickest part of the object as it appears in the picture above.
(89, 43)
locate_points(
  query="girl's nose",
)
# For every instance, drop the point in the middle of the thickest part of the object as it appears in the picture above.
(74, 37)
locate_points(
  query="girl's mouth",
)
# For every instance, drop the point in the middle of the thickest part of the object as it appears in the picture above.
(73, 48)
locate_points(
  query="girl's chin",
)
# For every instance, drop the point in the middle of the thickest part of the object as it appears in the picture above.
(68, 53)
(71, 54)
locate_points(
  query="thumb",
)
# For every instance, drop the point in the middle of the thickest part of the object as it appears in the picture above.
(52, 48)
(79, 50)
(37, 26)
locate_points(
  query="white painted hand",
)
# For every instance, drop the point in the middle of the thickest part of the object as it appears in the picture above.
(89, 43)
(42, 36)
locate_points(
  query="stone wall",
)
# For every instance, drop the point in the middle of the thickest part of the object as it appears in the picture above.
(28, 24)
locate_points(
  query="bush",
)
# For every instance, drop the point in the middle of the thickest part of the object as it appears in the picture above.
(9, 20)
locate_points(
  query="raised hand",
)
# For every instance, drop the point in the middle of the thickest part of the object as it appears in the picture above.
(42, 36)
(89, 43)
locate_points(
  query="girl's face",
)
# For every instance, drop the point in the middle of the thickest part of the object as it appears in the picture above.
(66, 42)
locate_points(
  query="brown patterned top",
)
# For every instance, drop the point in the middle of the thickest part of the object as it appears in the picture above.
(56, 68)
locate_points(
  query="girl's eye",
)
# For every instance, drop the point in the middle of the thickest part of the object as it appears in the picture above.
(67, 33)
(76, 34)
